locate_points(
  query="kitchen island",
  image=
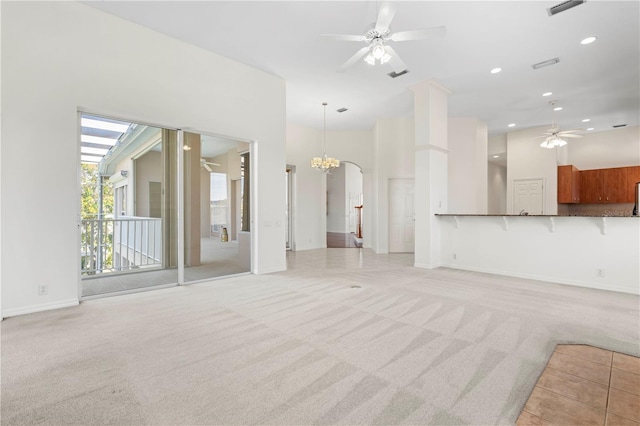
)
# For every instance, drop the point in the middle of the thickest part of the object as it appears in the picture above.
(600, 252)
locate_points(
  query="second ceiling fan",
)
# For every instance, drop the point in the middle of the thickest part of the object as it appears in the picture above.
(377, 38)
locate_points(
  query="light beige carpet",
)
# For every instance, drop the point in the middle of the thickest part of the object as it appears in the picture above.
(411, 346)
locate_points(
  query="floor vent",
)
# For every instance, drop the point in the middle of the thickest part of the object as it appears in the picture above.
(397, 74)
(561, 7)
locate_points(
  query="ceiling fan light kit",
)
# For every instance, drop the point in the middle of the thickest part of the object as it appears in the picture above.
(377, 37)
(554, 136)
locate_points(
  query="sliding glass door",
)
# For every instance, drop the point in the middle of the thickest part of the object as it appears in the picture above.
(134, 234)
(128, 206)
(217, 239)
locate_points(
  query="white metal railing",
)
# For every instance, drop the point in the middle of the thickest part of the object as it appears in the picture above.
(119, 245)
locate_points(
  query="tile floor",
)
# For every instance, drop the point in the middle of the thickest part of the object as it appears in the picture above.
(585, 385)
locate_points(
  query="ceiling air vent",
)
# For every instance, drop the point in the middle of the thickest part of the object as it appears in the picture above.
(342, 110)
(566, 5)
(619, 125)
(397, 74)
(545, 63)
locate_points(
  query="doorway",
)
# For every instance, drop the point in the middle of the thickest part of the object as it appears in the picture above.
(401, 216)
(528, 196)
(344, 206)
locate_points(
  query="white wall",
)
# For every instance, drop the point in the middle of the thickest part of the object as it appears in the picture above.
(467, 168)
(58, 57)
(205, 203)
(497, 189)
(148, 168)
(353, 186)
(527, 160)
(567, 250)
(394, 153)
(335, 200)
(303, 143)
(309, 206)
(602, 150)
(341, 183)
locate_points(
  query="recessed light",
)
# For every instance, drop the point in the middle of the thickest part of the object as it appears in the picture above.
(588, 40)
(590, 129)
(512, 125)
(496, 156)
(547, 94)
(586, 120)
(496, 70)
(557, 109)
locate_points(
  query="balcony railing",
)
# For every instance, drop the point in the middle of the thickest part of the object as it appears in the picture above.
(120, 245)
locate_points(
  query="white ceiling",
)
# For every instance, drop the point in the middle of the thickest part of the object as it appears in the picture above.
(600, 81)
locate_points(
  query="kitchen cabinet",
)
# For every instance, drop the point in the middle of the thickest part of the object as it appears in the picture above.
(568, 185)
(633, 176)
(590, 186)
(604, 186)
(614, 185)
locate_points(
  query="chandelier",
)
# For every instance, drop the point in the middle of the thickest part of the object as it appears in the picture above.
(324, 163)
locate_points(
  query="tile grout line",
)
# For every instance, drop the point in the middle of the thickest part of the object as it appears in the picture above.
(579, 377)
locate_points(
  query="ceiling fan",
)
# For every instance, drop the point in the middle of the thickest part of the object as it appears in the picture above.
(377, 38)
(554, 136)
(207, 165)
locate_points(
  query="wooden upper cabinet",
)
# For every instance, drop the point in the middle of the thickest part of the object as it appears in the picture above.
(633, 176)
(591, 186)
(614, 184)
(568, 184)
(609, 186)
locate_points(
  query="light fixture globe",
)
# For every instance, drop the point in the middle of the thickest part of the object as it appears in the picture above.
(377, 49)
(324, 163)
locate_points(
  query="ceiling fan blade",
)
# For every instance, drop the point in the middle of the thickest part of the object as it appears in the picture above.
(569, 135)
(207, 168)
(435, 32)
(571, 131)
(385, 16)
(396, 63)
(344, 37)
(352, 60)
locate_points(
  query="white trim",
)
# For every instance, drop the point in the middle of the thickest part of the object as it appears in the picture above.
(181, 206)
(272, 269)
(41, 307)
(425, 266)
(544, 278)
(253, 205)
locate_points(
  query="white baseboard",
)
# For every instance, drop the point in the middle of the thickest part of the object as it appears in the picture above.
(425, 266)
(545, 278)
(270, 270)
(39, 308)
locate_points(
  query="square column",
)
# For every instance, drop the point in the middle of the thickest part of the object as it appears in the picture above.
(431, 170)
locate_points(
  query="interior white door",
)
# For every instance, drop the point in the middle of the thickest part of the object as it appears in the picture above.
(401, 216)
(528, 196)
